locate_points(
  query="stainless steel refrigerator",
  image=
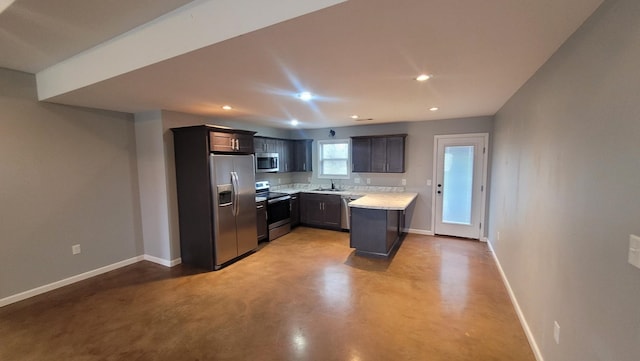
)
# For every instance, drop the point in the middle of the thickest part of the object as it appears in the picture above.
(215, 184)
(234, 206)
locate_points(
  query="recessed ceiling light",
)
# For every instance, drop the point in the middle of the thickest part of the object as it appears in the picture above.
(227, 107)
(4, 4)
(433, 109)
(354, 116)
(294, 122)
(306, 96)
(424, 77)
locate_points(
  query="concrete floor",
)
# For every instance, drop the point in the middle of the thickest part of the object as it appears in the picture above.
(304, 296)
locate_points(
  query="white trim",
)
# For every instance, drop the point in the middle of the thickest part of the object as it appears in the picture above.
(319, 145)
(83, 276)
(67, 281)
(484, 239)
(424, 232)
(485, 171)
(162, 261)
(514, 301)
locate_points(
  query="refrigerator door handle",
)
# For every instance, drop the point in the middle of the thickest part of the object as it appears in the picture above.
(236, 193)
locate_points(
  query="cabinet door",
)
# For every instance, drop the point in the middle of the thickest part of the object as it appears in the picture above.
(261, 209)
(331, 208)
(395, 154)
(244, 143)
(259, 145)
(271, 145)
(295, 210)
(311, 209)
(221, 142)
(282, 147)
(361, 154)
(302, 155)
(379, 155)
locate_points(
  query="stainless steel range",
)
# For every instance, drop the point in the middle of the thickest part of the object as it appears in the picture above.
(278, 210)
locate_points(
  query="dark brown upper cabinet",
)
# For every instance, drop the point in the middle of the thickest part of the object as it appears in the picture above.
(294, 154)
(378, 154)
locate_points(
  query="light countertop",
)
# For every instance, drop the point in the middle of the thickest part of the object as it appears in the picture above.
(385, 201)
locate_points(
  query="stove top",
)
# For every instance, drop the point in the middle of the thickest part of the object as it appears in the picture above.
(272, 195)
(262, 190)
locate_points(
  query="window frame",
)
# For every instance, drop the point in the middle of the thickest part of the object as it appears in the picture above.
(321, 174)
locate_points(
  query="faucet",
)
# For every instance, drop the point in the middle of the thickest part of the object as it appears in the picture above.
(333, 186)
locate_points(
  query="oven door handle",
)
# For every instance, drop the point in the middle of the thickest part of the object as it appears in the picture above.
(283, 198)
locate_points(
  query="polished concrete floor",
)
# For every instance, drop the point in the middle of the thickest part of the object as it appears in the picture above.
(304, 296)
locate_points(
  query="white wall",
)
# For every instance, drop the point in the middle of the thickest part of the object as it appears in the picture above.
(67, 176)
(566, 191)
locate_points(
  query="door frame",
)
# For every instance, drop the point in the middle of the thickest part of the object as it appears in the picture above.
(483, 197)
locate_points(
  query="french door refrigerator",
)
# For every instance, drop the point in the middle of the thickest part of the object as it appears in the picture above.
(234, 203)
(215, 183)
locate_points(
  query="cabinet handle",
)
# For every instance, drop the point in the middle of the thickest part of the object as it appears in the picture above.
(260, 206)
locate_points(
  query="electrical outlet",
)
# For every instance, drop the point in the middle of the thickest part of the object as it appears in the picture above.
(498, 236)
(356, 180)
(368, 180)
(75, 249)
(404, 182)
(556, 332)
(428, 182)
(279, 180)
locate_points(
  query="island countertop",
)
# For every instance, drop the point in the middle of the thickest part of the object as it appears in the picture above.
(385, 201)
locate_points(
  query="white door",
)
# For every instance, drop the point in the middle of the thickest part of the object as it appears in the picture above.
(460, 176)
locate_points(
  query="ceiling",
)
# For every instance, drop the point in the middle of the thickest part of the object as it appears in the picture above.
(357, 57)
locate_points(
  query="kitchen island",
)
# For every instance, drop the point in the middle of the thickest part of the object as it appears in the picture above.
(377, 222)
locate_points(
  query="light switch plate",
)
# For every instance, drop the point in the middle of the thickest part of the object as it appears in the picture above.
(634, 250)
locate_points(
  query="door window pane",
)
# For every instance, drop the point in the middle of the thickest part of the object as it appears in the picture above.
(457, 184)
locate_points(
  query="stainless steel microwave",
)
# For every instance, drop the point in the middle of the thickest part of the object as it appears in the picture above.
(267, 162)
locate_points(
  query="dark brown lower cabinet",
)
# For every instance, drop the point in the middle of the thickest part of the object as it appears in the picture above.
(375, 232)
(263, 231)
(320, 210)
(295, 210)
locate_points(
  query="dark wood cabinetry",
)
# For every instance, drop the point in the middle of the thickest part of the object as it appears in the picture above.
(232, 141)
(196, 160)
(361, 155)
(302, 155)
(261, 209)
(320, 210)
(264, 145)
(378, 154)
(295, 210)
(375, 232)
(294, 155)
(283, 148)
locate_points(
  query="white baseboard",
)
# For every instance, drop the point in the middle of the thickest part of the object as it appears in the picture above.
(67, 281)
(423, 232)
(83, 276)
(162, 261)
(523, 320)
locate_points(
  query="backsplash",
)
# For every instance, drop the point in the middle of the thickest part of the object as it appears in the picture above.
(310, 186)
